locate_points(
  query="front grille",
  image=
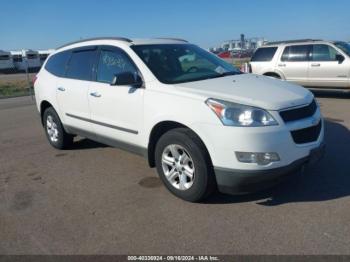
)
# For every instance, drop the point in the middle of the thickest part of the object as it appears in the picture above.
(307, 135)
(299, 113)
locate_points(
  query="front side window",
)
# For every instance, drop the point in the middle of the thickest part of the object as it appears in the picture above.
(296, 53)
(179, 63)
(57, 63)
(264, 54)
(80, 65)
(112, 63)
(323, 53)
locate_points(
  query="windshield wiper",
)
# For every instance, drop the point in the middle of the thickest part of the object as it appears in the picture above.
(230, 73)
(225, 74)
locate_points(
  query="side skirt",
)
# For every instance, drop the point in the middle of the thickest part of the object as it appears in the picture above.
(108, 141)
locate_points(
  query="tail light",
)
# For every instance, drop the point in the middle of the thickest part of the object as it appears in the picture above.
(34, 79)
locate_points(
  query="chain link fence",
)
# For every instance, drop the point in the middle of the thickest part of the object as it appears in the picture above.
(16, 84)
(18, 80)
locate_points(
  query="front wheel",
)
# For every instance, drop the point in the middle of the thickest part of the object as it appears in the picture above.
(184, 165)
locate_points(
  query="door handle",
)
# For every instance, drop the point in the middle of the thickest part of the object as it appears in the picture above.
(315, 65)
(62, 89)
(95, 94)
(282, 65)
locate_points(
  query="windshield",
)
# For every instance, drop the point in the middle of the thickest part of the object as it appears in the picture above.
(345, 47)
(180, 63)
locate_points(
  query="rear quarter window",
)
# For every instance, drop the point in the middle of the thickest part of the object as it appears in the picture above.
(264, 54)
(56, 64)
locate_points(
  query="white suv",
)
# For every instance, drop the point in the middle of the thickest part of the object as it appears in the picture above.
(313, 63)
(199, 120)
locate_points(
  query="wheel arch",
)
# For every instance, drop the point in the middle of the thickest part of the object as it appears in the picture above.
(161, 128)
(274, 73)
(43, 106)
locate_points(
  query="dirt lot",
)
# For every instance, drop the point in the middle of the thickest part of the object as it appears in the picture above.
(95, 199)
(15, 84)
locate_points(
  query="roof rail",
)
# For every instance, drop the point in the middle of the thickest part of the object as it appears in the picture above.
(97, 38)
(292, 41)
(172, 38)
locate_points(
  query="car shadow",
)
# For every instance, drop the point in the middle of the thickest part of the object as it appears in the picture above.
(326, 180)
(85, 143)
(331, 94)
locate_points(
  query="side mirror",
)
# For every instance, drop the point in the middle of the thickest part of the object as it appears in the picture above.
(339, 58)
(127, 79)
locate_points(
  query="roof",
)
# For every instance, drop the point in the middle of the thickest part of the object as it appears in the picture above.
(4, 52)
(298, 41)
(130, 41)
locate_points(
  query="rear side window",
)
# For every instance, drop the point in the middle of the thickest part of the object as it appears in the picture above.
(296, 53)
(57, 63)
(80, 65)
(264, 54)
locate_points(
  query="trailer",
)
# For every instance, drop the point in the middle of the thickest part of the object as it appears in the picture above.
(6, 62)
(43, 54)
(26, 60)
(33, 60)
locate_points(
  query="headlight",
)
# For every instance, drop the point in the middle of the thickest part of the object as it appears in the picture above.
(232, 114)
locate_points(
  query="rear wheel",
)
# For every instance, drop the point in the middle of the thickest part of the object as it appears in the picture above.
(54, 130)
(184, 165)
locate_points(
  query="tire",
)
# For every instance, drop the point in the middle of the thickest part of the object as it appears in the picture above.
(195, 160)
(54, 130)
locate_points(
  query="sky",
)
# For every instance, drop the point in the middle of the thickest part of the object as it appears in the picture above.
(43, 24)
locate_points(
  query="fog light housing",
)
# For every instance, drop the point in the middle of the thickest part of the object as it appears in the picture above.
(257, 158)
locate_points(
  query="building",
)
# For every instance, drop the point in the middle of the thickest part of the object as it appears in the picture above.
(242, 44)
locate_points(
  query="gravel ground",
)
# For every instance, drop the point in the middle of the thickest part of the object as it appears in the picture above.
(94, 199)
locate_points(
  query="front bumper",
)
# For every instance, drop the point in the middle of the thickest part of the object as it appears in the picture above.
(233, 181)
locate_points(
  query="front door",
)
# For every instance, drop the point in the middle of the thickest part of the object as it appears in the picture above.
(116, 111)
(325, 70)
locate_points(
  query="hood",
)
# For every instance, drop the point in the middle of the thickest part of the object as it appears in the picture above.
(259, 91)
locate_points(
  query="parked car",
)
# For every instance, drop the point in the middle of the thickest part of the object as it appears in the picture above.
(242, 54)
(313, 63)
(201, 122)
(225, 54)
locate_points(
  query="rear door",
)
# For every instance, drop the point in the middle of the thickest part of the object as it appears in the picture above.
(325, 70)
(72, 89)
(294, 63)
(116, 111)
(261, 61)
